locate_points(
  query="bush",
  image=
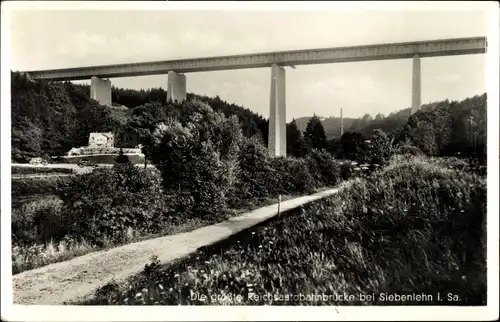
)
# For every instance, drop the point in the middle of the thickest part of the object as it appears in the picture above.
(414, 227)
(290, 176)
(324, 168)
(381, 149)
(254, 163)
(38, 222)
(409, 150)
(122, 158)
(198, 159)
(102, 206)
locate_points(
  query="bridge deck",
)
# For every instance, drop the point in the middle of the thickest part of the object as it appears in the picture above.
(431, 48)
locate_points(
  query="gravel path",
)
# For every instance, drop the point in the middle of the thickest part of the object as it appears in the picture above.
(77, 278)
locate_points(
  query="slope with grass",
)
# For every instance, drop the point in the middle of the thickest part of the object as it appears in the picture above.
(77, 278)
(414, 228)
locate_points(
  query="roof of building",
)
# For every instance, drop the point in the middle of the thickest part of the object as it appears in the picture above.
(106, 134)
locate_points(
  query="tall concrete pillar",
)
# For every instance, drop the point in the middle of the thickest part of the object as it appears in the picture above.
(416, 91)
(100, 90)
(176, 87)
(277, 115)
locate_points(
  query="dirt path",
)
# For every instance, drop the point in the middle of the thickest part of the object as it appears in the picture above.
(79, 277)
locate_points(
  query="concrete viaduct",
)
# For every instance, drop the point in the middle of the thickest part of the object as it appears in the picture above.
(176, 84)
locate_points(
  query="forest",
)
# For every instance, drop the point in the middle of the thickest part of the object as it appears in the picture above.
(49, 118)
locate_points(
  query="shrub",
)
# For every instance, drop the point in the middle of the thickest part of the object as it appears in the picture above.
(414, 227)
(354, 146)
(381, 149)
(105, 205)
(290, 176)
(254, 162)
(38, 221)
(324, 168)
(198, 159)
(122, 158)
(409, 150)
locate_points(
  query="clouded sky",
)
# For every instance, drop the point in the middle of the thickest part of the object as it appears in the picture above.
(60, 39)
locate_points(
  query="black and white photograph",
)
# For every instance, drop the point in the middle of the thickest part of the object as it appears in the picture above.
(222, 159)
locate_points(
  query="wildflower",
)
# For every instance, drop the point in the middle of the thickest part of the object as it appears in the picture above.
(160, 286)
(138, 294)
(176, 275)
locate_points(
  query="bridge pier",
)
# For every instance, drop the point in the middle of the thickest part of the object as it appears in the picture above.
(416, 91)
(277, 115)
(176, 87)
(100, 90)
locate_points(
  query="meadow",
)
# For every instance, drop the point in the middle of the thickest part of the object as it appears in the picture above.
(416, 226)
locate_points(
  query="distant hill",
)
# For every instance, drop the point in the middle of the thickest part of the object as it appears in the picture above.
(364, 125)
(330, 124)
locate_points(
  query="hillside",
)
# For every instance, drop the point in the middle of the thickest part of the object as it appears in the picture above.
(49, 118)
(396, 121)
(330, 124)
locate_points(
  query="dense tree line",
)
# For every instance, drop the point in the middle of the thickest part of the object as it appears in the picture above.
(442, 128)
(49, 118)
(449, 128)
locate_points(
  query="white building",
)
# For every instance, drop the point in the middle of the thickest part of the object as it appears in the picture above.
(101, 140)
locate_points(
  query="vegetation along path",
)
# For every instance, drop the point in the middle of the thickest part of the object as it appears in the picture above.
(77, 278)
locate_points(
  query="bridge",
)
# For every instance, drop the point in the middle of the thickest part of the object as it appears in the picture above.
(277, 61)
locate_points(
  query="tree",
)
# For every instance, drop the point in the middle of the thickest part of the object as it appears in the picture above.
(295, 143)
(122, 158)
(335, 147)
(381, 149)
(26, 141)
(315, 134)
(198, 158)
(353, 146)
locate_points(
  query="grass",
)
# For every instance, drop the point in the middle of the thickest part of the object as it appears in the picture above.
(416, 227)
(39, 170)
(30, 256)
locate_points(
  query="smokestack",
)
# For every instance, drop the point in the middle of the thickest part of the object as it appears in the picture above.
(341, 123)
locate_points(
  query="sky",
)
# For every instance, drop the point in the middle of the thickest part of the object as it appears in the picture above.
(51, 39)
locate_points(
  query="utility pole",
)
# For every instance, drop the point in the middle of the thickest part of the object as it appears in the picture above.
(341, 123)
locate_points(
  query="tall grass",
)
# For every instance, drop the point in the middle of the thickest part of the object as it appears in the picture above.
(415, 227)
